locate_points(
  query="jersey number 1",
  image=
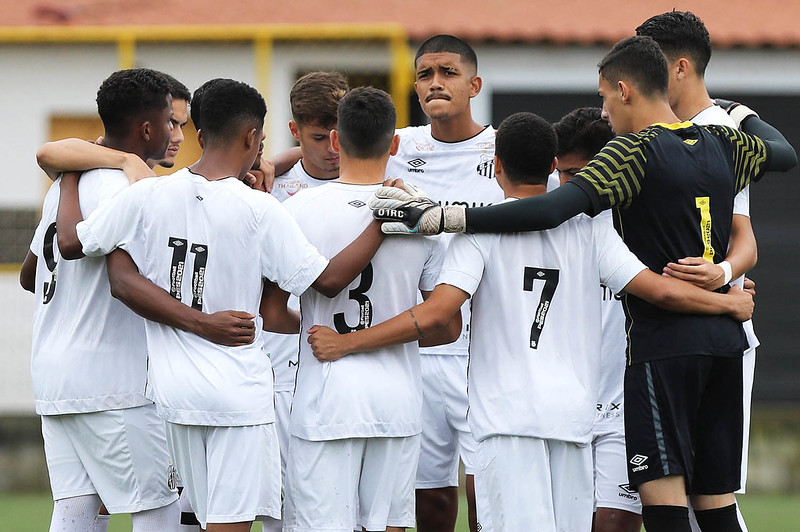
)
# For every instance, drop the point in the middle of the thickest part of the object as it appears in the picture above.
(550, 278)
(177, 268)
(704, 204)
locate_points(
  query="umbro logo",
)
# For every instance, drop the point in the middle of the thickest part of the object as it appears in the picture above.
(415, 165)
(626, 488)
(199, 198)
(638, 461)
(178, 243)
(356, 203)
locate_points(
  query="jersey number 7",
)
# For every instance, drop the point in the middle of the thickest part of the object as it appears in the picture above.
(550, 278)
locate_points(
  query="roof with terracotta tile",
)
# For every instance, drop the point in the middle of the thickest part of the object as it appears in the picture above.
(730, 22)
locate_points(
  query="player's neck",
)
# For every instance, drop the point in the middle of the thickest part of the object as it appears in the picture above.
(653, 112)
(318, 173)
(217, 164)
(693, 102)
(362, 171)
(455, 129)
(127, 145)
(519, 191)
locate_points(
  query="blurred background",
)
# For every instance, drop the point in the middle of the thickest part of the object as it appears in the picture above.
(532, 55)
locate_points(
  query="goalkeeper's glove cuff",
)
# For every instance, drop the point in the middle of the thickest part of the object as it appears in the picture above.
(454, 219)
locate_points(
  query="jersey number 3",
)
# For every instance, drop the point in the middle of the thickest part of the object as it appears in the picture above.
(178, 266)
(358, 294)
(550, 278)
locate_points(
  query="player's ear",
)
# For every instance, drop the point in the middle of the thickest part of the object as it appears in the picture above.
(476, 83)
(681, 68)
(395, 147)
(144, 130)
(253, 137)
(552, 166)
(624, 91)
(200, 138)
(335, 146)
(498, 166)
(294, 129)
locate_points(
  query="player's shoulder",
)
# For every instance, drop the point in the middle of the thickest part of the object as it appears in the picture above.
(714, 115)
(305, 196)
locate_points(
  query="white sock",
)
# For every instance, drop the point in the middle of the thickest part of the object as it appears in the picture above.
(166, 518)
(75, 514)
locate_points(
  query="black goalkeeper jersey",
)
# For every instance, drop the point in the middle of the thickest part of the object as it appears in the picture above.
(672, 188)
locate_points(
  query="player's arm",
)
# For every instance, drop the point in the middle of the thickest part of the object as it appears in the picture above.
(79, 155)
(69, 215)
(277, 316)
(742, 256)
(448, 333)
(677, 296)
(27, 274)
(349, 262)
(415, 324)
(283, 161)
(228, 327)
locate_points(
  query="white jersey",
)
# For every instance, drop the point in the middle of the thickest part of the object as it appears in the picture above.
(741, 203)
(450, 173)
(536, 325)
(209, 244)
(374, 394)
(88, 348)
(282, 348)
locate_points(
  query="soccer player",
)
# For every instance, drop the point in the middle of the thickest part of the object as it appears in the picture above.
(78, 155)
(535, 331)
(686, 44)
(452, 160)
(355, 424)
(314, 99)
(103, 438)
(581, 134)
(673, 187)
(217, 400)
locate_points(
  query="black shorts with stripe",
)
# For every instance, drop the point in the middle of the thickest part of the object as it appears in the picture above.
(683, 416)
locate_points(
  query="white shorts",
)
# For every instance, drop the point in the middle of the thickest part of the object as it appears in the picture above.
(342, 485)
(231, 474)
(445, 432)
(611, 488)
(120, 455)
(530, 480)
(748, 374)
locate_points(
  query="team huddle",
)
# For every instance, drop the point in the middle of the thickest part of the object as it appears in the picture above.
(293, 341)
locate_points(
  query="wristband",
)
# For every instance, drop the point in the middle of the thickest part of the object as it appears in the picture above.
(728, 272)
(739, 112)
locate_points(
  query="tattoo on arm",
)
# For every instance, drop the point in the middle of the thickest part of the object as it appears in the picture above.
(416, 325)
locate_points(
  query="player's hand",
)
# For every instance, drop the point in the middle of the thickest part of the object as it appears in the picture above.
(698, 271)
(326, 344)
(742, 304)
(408, 211)
(737, 111)
(750, 286)
(262, 177)
(136, 169)
(228, 327)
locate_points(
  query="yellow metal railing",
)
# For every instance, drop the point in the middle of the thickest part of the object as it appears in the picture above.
(261, 36)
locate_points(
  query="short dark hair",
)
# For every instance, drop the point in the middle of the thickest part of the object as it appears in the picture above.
(126, 94)
(582, 132)
(315, 98)
(638, 60)
(197, 100)
(680, 34)
(366, 123)
(526, 146)
(450, 44)
(178, 90)
(227, 107)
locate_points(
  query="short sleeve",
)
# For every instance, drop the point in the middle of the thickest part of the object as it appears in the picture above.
(618, 265)
(437, 248)
(750, 154)
(464, 263)
(287, 257)
(114, 223)
(613, 178)
(741, 203)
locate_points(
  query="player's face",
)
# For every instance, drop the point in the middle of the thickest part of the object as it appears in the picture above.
(444, 85)
(613, 107)
(319, 159)
(568, 165)
(160, 131)
(180, 117)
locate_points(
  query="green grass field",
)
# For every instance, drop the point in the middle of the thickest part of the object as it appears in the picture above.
(31, 513)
